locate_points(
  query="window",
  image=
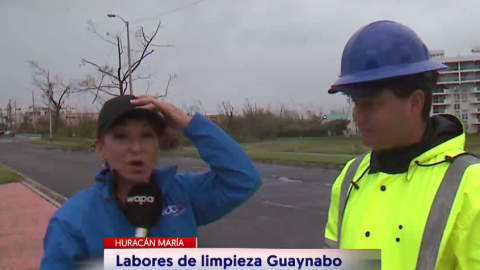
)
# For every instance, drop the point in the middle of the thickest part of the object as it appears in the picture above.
(457, 97)
(456, 106)
(457, 115)
(464, 96)
(465, 116)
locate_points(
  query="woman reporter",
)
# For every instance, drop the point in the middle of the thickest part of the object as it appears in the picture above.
(131, 132)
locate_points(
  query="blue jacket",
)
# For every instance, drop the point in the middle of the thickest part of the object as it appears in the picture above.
(77, 228)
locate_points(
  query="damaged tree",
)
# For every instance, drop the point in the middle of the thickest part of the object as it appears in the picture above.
(157, 95)
(227, 113)
(54, 91)
(113, 80)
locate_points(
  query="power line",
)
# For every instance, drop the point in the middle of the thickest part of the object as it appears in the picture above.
(168, 12)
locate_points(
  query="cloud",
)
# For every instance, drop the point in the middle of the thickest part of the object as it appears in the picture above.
(271, 51)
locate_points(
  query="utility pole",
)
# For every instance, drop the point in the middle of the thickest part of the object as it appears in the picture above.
(50, 110)
(1, 117)
(9, 114)
(129, 59)
(15, 113)
(33, 108)
(128, 47)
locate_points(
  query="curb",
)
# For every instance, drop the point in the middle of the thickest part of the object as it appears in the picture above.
(50, 195)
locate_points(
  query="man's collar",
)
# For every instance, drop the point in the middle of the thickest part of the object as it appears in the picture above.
(398, 160)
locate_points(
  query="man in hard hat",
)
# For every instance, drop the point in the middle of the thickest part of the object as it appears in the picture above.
(416, 195)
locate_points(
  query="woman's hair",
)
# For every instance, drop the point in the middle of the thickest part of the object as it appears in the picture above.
(169, 138)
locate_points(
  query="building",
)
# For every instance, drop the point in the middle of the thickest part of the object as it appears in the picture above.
(352, 129)
(14, 116)
(332, 117)
(214, 117)
(70, 115)
(457, 91)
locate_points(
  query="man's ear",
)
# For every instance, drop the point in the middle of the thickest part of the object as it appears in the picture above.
(417, 100)
(99, 149)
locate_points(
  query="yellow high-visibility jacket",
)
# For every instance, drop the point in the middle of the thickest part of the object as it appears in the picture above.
(390, 212)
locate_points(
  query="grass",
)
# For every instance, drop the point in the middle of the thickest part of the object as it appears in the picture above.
(283, 157)
(320, 150)
(8, 176)
(327, 145)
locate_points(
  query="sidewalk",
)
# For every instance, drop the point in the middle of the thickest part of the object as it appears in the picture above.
(24, 217)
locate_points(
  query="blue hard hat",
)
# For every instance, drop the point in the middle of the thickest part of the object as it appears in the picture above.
(381, 50)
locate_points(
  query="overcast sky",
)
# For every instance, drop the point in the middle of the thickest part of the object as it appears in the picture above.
(270, 51)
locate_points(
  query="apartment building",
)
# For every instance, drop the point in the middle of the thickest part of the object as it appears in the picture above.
(458, 88)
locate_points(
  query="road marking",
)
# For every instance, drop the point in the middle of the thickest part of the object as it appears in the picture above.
(289, 206)
(286, 179)
(328, 185)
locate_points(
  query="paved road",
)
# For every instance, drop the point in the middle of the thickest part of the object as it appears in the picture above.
(289, 211)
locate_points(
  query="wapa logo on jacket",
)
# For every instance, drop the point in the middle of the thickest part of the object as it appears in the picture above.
(175, 210)
(141, 199)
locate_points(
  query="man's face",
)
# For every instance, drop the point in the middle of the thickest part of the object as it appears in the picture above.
(385, 120)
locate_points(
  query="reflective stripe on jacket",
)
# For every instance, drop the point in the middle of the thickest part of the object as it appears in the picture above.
(427, 218)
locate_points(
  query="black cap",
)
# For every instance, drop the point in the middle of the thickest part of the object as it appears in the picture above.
(121, 106)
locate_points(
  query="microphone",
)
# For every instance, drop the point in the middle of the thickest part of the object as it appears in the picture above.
(144, 207)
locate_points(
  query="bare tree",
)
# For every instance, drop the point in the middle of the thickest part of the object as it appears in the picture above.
(112, 80)
(192, 109)
(54, 90)
(157, 96)
(248, 110)
(228, 112)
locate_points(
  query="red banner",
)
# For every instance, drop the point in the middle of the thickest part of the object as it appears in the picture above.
(150, 242)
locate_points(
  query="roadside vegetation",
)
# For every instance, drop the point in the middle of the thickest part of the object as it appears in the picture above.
(284, 136)
(8, 176)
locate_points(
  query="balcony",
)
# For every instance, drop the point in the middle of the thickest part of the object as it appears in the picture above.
(441, 92)
(470, 70)
(439, 111)
(475, 111)
(475, 79)
(448, 71)
(448, 80)
(474, 90)
(469, 66)
(451, 67)
(443, 102)
(475, 121)
(475, 100)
